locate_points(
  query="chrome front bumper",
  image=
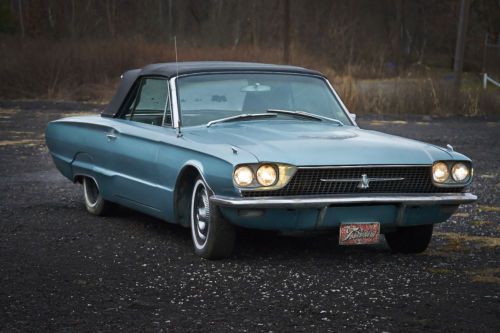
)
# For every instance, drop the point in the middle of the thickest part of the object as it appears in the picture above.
(321, 202)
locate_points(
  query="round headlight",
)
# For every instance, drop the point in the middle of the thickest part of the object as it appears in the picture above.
(243, 176)
(440, 172)
(460, 172)
(266, 175)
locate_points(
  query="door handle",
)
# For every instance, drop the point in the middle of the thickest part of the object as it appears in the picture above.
(111, 136)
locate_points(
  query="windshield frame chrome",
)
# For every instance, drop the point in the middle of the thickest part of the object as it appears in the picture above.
(176, 116)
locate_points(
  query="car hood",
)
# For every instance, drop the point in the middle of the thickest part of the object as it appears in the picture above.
(309, 144)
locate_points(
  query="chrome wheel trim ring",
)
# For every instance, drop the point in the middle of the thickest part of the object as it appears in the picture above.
(200, 215)
(91, 192)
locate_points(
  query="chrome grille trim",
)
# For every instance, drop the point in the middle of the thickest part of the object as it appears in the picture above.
(347, 180)
(365, 166)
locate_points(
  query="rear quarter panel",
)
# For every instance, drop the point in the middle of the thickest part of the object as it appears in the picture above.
(79, 146)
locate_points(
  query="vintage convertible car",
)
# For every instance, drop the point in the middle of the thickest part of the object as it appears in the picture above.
(214, 145)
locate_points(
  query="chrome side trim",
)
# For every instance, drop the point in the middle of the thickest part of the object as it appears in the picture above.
(321, 202)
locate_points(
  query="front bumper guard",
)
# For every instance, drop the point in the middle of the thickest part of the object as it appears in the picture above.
(324, 202)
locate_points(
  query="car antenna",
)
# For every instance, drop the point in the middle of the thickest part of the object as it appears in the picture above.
(179, 134)
(176, 61)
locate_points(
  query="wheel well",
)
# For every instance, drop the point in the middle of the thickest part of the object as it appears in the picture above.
(183, 191)
(78, 179)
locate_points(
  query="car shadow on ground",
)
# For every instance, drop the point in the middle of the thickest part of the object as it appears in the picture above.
(251, 243)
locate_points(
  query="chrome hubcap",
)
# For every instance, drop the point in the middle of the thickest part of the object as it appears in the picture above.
(91, 192)
(200, 214)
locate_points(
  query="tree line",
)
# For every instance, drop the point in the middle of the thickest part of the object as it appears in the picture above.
(347, 34)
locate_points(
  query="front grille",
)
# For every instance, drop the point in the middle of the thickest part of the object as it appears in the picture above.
(308, 181)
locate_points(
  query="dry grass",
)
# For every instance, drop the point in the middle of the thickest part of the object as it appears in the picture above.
(90, 70)
(422, 95)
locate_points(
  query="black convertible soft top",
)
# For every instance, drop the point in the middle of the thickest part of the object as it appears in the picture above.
(172, 69)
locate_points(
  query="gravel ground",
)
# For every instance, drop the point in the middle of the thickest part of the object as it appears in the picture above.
(63, 270)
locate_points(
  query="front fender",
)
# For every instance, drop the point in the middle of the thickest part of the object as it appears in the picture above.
(216, 173)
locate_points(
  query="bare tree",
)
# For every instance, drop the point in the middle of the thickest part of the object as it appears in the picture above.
(21, 17)
(460, 46)
(287, 32)
(170, 19)
(111, 15)
(73, 19)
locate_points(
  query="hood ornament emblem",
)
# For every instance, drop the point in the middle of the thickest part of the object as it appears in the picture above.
(364, 182)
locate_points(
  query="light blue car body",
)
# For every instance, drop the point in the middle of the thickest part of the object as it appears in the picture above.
(142, 165)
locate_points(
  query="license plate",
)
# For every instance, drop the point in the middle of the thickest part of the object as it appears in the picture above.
(359, 233)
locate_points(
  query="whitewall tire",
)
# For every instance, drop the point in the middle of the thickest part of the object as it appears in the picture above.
(213, 237)
(94, 202)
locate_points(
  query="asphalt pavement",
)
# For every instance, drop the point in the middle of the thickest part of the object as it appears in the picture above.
(63, 270)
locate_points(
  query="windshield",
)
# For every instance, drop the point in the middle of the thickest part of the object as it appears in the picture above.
(204, 98)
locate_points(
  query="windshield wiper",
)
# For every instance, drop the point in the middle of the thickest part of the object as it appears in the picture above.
(242, 117)
(305, 114)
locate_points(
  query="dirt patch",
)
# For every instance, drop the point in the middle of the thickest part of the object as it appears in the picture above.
(440, 270)
(23, 142)
(457, 242)
(489, 209)
(7, 113)
(21, 138)
(388, 122)
(481, 223)
(78, 114)
(489, 275)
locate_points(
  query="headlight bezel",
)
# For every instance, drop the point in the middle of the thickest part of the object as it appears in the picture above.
(235, 176)
(442, 167)
(260, 179)
(450, 180)
(456, 165)
(284, 172)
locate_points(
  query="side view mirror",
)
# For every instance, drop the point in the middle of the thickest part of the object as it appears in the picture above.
(353, 116)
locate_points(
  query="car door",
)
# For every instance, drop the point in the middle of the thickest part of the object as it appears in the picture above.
(136, 141)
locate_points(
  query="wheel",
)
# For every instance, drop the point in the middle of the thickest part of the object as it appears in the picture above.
(213, 237)
(414, 239)
(94, 202)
